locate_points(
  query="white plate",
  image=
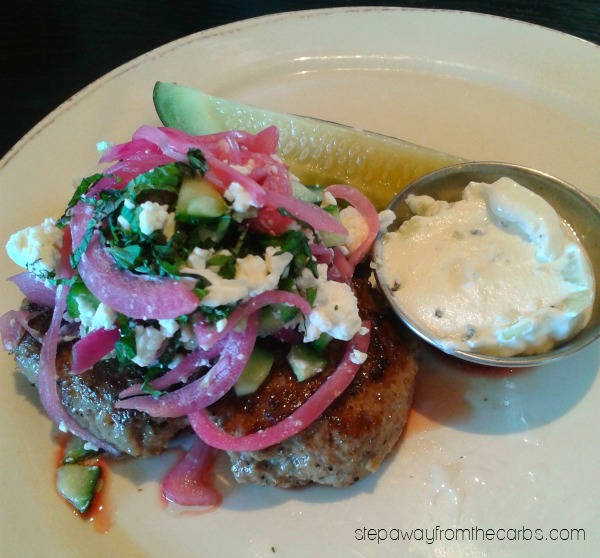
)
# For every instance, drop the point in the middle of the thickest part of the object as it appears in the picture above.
(495, 450)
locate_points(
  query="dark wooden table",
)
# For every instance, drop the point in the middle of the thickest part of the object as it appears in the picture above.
(51, 50)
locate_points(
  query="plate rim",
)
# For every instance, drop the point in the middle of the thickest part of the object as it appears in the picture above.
(164, 49)
(238, 25)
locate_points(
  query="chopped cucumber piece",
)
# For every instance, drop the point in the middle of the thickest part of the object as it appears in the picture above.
(305, 362)
(307, 194)
(255, 372)
(77, 484)
(333, 239)
(275, 316)
(199, 200)
(76, 451)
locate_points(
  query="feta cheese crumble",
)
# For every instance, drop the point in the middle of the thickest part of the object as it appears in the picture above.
(104, 317)
(37, 248)
(260, 274)
(94, 317)
(239, 197)
(358, 357)
(168, 327)
(335, 312)
(148, 342)
(253, 275)
(328, 200)
(335, 309)
(153, 217)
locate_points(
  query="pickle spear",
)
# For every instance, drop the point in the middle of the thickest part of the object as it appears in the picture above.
(317, 151)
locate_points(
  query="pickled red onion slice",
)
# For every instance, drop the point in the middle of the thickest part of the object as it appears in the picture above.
(136, 296)
(133, 150)
(300, 419)
(47, 376)
(180, 373)
(312, 214)
(341, 270)
(176, 143)
(206, 390)
(321, 253)
(34, 289)
(266, 140)
(362, 204)
(190, 481)
(88, 350)
(208, 336)
(13, 325)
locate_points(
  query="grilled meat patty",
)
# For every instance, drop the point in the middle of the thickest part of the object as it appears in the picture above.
(356, 432)
(350, 440)
(89, 398)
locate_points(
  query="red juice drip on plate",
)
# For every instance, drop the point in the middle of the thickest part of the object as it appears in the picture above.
(98, 514)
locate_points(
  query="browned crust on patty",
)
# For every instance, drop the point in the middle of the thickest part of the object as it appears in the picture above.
(357, 431)
(347, 442)
(90, 397)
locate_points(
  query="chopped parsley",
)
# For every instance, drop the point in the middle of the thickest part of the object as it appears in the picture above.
(125, 347)
(84, 186)
(115, 216)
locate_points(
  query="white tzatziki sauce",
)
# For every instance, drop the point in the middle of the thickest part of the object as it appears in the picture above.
(496, 273)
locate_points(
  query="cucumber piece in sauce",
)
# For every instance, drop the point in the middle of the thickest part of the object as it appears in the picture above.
(77, 484)
(76, 451)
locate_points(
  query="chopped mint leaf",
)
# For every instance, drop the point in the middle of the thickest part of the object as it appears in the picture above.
(125, 347)
(79, 290)
(213, 315)
(85, 240)
(287, 284)
(197, 161)
(168, 269)
(296, 243)
(126, 256)
(148, 390)
(311, 295)
(166, 178)
(84, 186)
(200, 292)
(222, 228)
(225, 263)
(131, 215)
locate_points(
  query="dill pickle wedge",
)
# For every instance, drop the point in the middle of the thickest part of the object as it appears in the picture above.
(317, 151)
